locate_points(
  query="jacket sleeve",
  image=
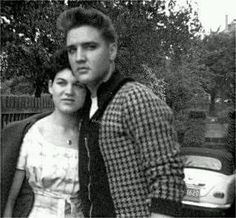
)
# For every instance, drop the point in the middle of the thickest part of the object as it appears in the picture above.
(10, 145)
(149, 122)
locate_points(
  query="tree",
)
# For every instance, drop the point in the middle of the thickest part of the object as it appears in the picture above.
(29, 37)
(149, 31)
(148, 34)
(184, 89)
(218, 58)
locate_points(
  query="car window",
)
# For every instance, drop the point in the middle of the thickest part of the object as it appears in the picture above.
(202, 162)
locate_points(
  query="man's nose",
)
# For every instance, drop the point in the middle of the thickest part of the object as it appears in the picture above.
(80, 55)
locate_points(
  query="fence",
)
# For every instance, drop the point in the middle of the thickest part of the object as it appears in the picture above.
(15, 108)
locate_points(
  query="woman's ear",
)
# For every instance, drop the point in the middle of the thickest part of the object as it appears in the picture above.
(50, 86)
(112, 51)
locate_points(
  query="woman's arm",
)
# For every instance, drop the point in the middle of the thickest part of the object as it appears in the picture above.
(14, 191)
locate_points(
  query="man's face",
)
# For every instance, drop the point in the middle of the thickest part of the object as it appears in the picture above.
(89, 55)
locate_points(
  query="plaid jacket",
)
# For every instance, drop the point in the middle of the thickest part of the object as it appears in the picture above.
(138, 145)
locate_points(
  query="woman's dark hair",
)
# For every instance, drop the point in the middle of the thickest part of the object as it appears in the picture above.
(76, 17)
(58, 62)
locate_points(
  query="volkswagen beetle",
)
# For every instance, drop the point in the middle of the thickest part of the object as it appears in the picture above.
(210, 179)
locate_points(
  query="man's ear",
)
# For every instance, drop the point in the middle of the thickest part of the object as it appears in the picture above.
(113, 51)
(50, 86)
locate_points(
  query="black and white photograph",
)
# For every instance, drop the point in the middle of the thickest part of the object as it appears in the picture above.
(118, 108)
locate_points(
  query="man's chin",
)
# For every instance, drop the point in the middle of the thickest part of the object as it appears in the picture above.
(84, 79)
(69, 110)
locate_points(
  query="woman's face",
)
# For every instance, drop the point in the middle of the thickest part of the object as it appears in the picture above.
(67, 92)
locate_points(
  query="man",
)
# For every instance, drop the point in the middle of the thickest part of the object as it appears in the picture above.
(128, 158)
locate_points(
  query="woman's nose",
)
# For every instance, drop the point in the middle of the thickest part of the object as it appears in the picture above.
(69, 89)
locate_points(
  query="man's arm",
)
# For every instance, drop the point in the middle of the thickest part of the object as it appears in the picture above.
(152, 128)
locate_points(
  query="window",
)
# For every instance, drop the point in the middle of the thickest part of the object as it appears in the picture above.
(202, 162)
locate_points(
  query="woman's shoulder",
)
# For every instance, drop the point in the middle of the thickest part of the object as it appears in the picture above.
(17, 128)
(42, 124)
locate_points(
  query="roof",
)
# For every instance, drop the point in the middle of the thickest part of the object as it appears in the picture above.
(222, 155)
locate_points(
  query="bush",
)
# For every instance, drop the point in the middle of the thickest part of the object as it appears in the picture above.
(230, 137)
(180, 124)
(195, 129)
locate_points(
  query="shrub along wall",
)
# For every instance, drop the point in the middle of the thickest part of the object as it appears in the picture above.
(230, 138)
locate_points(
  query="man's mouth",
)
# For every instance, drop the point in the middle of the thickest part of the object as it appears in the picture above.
(82, 69)
(68, 100)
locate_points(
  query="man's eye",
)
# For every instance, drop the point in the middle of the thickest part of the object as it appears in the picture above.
(71, 50)
(91, 46)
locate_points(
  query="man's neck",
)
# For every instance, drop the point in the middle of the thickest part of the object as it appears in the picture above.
(94, 87)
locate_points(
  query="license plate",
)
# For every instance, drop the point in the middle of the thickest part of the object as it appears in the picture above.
(193, 194)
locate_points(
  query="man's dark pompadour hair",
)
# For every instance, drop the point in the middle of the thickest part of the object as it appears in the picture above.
(76, 17)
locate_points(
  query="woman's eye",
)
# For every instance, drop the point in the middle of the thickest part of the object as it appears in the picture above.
(61, 83)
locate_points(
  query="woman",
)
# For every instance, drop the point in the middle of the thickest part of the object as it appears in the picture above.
(41, 152)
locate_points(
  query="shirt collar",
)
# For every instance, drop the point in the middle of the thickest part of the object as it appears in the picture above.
(108, 89)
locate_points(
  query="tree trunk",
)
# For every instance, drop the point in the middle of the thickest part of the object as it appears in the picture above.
(212, 109)
(38, 91)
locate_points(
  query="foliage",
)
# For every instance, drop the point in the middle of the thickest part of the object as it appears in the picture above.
(157, 85)
(218, 57)
(5, 88)
(29, 38)
(230, 138)
(151, 40)
(206, 69)
(187, 124)
(16, 86)
(149, 31)
(195, 130)
(180, 121)
(184, 83)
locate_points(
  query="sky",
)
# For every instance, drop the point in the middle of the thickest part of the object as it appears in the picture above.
(212, 13)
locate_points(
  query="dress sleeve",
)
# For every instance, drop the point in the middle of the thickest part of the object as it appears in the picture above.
(150, 123)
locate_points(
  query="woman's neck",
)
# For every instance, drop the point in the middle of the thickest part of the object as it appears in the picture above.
(65, 121)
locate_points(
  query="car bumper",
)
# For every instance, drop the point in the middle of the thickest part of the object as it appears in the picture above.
(207, 205)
